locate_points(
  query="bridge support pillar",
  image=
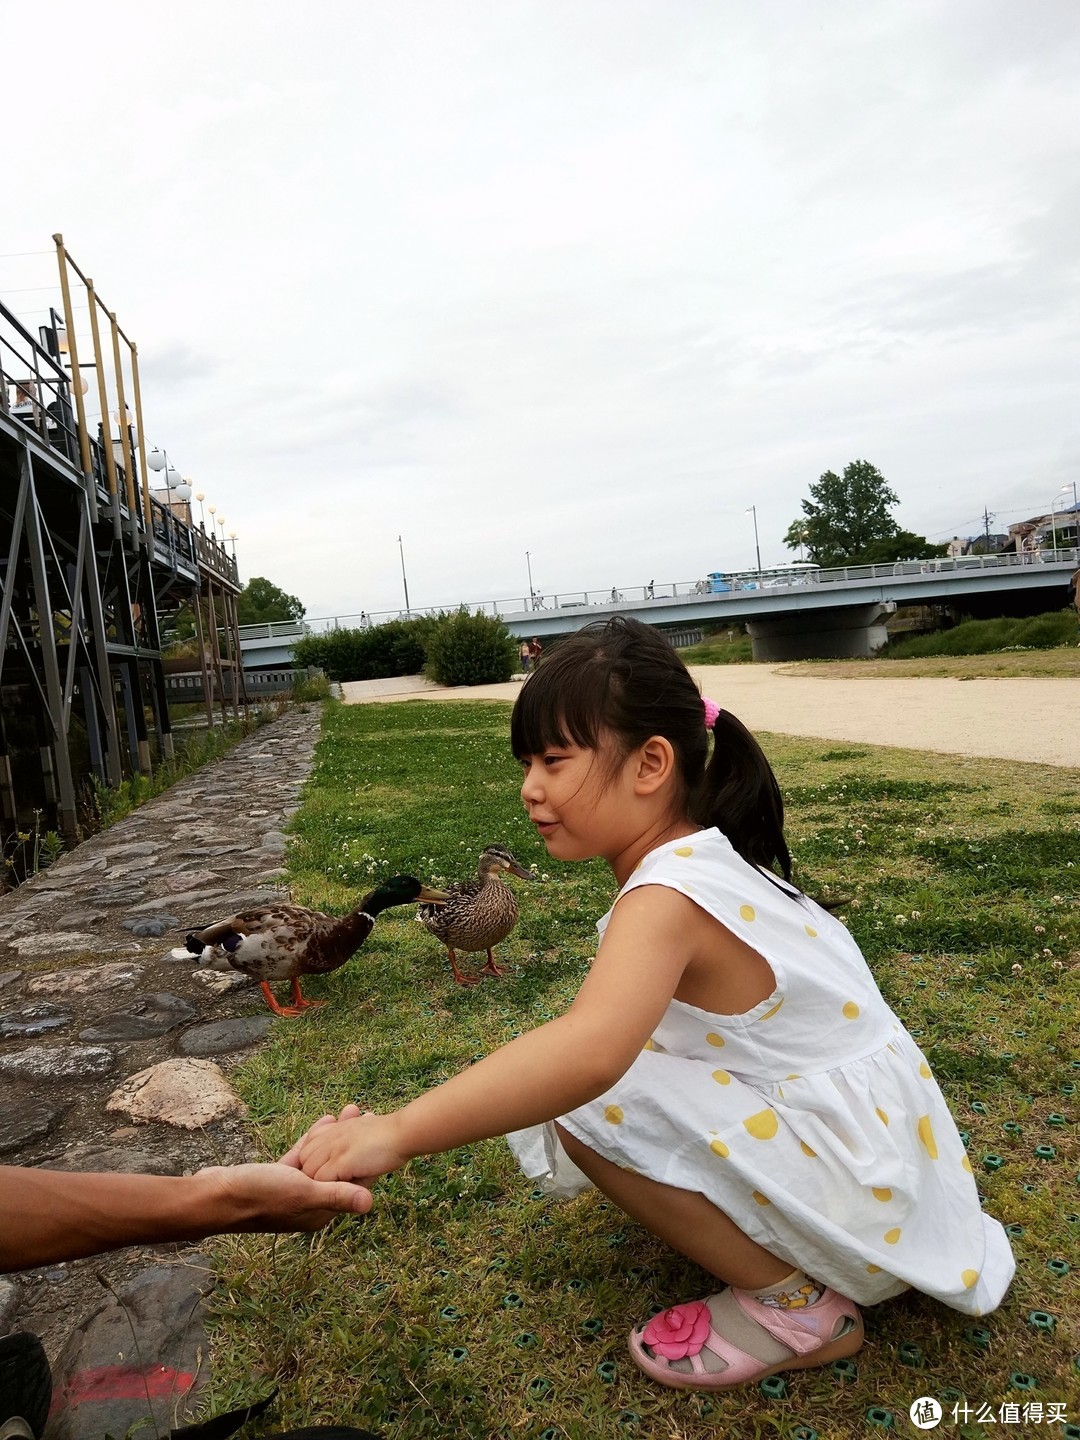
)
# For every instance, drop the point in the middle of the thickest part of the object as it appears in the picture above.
(855, 632)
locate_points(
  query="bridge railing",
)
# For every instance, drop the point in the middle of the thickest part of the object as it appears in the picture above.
(683, 591)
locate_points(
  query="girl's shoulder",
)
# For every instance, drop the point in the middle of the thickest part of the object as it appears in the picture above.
(708, 870)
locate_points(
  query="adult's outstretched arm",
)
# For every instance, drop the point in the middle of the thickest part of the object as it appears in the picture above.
(50, 1215)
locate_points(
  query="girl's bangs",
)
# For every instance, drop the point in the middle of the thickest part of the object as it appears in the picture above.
(559, 705)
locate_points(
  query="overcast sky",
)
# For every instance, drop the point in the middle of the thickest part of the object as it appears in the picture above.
(585, 278)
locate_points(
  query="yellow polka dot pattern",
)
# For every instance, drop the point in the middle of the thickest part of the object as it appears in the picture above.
(719, 1148)
(924, 1071)
(892, 1236)
(684, 852)
(970, 1278)
(873, 1269)
(650, 1044)
(966, 1163)
(810, 931)
(770, 1013)
(806, 1150)
(926, 1135)
(851, 1011)
(721, 1077)
(881, 1194)
(761, 1199)
(613, 1114)
(763, 1125)
(713, 1039)
(747, 912)
(881, 1115)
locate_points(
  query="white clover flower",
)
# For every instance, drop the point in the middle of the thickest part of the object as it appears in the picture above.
(1017, 969)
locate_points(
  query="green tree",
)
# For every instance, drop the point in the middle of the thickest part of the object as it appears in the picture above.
(260, 601)
(904, 545)
(845, 514)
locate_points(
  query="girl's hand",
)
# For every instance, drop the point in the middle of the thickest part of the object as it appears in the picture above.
(351, 1148)
(292, 1155)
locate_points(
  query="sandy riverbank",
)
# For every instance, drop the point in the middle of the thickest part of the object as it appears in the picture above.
(1008, 719)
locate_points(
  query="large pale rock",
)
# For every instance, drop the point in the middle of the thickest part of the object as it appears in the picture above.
(186, 1093)
(120, 975)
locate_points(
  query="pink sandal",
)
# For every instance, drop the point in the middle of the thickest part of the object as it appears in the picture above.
(682, 1332)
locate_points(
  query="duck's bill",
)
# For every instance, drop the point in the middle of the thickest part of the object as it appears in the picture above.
(521, 872)
(429, 896)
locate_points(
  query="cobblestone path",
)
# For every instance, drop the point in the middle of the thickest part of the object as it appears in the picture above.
(90, 997)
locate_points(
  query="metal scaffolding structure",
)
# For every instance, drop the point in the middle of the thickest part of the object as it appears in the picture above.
(91, 564)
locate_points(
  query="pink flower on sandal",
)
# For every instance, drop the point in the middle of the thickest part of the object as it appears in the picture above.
(680, 1331)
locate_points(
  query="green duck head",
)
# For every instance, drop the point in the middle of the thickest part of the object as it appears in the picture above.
(400, 890)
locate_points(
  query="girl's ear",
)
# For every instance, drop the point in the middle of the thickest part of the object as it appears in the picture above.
(655, 765)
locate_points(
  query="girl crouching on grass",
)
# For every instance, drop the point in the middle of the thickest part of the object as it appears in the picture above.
(729, 1073)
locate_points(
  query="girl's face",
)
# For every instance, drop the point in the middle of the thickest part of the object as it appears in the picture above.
(579, 807)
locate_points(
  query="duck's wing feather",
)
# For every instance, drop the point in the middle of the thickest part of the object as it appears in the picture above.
(262, 918)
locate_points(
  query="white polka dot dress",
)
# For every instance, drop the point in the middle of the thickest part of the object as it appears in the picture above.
(812, 1120)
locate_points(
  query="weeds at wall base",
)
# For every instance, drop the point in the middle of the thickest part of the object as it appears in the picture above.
(107, 804)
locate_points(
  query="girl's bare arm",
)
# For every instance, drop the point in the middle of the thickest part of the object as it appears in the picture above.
(544, 1073)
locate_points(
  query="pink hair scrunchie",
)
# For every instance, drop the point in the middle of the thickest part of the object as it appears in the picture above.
(712, 712)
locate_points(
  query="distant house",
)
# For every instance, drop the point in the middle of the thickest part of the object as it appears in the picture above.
(1039, 531)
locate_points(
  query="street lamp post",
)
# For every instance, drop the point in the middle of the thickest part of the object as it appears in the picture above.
(404, 579)
(159, 460)
(528, 563)
(1053, 522)
(1071, 485)
(757, 548)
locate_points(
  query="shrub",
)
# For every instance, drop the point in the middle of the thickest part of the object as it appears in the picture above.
(310, 687)
(982, 637)
(729, 649)
(465, 649)
(396, 648)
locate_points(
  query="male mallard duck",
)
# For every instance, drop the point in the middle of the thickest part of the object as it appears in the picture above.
(283, 942)
(478, 913)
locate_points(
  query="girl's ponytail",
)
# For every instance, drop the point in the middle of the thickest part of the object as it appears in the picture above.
(739, 795)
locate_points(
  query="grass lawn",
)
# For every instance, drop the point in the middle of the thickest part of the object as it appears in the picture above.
(468, 1305)
(1060, 663)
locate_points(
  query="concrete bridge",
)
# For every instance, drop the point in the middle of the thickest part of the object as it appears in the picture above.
(824, 614)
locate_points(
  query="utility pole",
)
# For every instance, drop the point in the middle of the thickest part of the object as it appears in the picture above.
(987, 517)
(404, 579)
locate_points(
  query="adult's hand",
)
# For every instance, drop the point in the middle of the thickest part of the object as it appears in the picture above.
(274, 1198)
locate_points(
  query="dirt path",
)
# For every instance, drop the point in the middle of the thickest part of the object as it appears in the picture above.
(1008, 719)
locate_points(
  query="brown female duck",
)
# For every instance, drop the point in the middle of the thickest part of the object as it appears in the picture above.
(478, 913)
